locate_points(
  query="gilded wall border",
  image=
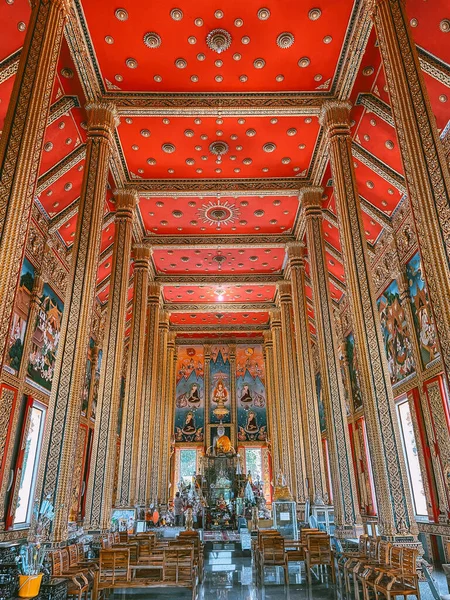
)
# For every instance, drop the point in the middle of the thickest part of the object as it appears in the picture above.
(180, 307)
(175, 242)
(188, 341)
(220, 278)
(267, 186)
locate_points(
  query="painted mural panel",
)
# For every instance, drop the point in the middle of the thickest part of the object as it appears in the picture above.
(422, 316)
(219, 383)
(44, 343)
(96, 384)
(396, 334)
(13, 358)
(87, 380)
(251, 393)
(353, 370)
(190, 395)
(321, 407)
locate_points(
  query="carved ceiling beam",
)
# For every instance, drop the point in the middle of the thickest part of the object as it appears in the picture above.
(232, 104)
(376, 214)
(64, 165)
(336, 282)
(9, 66)
(151, 188)
(65, 215)
(379, 167)
(62, 107)
(310, 302)
(434, 67)
(219, 279)
(376, 106)
(219, 307)
(101, 287)
(189, 341)
(178, 242)
(107, 253)
(217, 328)
(333, 252)
(330, 217)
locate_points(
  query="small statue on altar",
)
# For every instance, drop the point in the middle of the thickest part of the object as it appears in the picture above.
(255, 517)
(223, 444)
(282, 491)
(221, 504)
(189, 519)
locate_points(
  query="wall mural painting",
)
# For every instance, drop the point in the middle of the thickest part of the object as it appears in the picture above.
(96, 384)
(87, 380)
(44, 343)
(422, 315)
(396, 335)
(21, 312)
(353, 369)
(219, 383)
(251, 394)
(321, 407)
(190, 395)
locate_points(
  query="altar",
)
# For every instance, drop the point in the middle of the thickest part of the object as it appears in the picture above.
(223, 487)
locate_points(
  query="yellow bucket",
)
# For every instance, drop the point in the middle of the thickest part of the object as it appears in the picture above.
(29, 585)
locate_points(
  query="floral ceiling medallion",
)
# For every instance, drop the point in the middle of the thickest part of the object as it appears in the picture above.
(218, 40)
(219, 148)
(152, 40)
(218, 212)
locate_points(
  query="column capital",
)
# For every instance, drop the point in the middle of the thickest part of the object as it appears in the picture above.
(284, 291)
(102, 116)
(171, 339)
(164, 318)
(268, 340)
(295, 252)
(275, 318)
(311, 197)
(126, 198)
(207, 352)
(154, 292)
(142, 255)
(335, 114)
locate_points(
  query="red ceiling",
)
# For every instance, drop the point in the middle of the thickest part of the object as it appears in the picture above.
(16, 14)
(219, 293)
(247, 260)
(191, 156)
(61, 138)
(186, 40)
(228, 318)
(191, 215)
(63, 191)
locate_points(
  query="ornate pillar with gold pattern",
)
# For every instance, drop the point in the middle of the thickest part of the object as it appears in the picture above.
(167, 419)
(396, 516)
(232, 359)
(100, 488)
(157, 424)
(207, 361)
(134, 382)
(65, 401)
(22, 141)
(283, 412)
(345, 496)
(150, 370)
(426, 169)
(292, 393)
(272, 400)
(305, 366)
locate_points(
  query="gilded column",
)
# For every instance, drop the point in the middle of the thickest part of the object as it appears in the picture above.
(157, 424)
(206, 379)
(345, 496)
(396, 516)
(272, 401)
(167, 419)
(150, 375)
(426, 169)
(283, 411)
(100, 488)
(308, 398)
(21, 144)
(134, 383)
(171, 491)
(65, 401)
(232, 359)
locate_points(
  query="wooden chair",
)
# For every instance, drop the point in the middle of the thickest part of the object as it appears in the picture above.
(273, 555)
(318, 552)
(77, 584)
(259, 544)
(179, 568)
(348, 560)
(367, 574)
(400, 579)
(114, 567)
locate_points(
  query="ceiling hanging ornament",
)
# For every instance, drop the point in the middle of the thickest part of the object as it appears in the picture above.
(152, 40)
(219, 148)
(285, 40)
(218, 212)
(218, 40)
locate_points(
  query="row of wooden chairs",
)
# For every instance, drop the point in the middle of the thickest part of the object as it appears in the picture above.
(69, 563)
(380, 568)
(313, 548)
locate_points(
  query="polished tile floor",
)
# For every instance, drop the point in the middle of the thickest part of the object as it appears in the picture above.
(229, 578)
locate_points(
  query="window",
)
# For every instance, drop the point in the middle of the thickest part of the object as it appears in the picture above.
(253, 462)
(30, 462)
(412, 459)
(188, 465)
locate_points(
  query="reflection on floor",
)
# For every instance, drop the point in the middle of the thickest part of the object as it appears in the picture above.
(231, 578)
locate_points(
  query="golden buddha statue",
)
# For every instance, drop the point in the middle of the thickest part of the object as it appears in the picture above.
(281, 491)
